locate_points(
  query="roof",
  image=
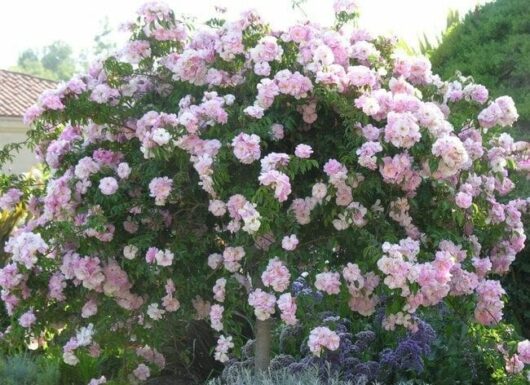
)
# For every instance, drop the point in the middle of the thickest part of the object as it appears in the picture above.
(19, 91)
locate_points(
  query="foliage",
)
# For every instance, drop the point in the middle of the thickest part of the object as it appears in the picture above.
(287, 174)
(54, 62)
(8, 220)
(517, 283)
(492, 45)
(57, 61)
(103, 45)
(283, 377)
(426, 46)
(23, 369)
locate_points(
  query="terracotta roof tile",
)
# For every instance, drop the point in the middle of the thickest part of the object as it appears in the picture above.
(19, 91)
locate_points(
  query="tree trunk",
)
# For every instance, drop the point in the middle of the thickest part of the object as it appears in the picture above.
(263, 344)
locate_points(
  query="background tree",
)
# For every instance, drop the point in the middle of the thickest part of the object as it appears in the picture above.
(493, 44)
(103, 43)
(58, 60)
(451, 21)
(55, 61)
(102, 46)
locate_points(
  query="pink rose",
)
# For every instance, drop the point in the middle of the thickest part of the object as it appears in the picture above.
(289, 242)
(322, 337)
(108, 185)
(303, 151)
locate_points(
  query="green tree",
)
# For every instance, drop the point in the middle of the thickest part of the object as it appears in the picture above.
(452, 20)
(103, 44)
(55, 61)
(493, 44)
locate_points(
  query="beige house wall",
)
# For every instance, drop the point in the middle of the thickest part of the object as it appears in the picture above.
(13, 130)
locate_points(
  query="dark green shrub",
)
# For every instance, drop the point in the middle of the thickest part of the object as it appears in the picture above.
(492, 44)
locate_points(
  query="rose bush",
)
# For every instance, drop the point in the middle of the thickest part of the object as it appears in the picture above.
(197, 173)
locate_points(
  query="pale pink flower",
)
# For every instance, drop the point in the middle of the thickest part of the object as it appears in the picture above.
(523, 350)
(219, 290)
(453, 154)
(319, 191)
(280, 182)
(24, 248)
(463, 200)
(160, 136)
(293, 84)
(27, 319)
(277, 131)
(328, 282)
(108, 185)
(142, 372)
(224, 344)
(123, 170)
(476, 92)
(164, 258)
(215, 260)
(49, 101)
(263, 304)
(262, 69)
(303, 151)
(246, 148)
(514, 365)
(135, 51)
(347, 6)
(98, 381)
(56, 286)
(276, 275)
(232, 257)
(402, 129)
(287, 305)
(102, 94)
(32, 114)
(170, 303)
(9, 200)
(367, 154)
(352, 274)
(160, 188)
(334, 168)
(289, 242)
(273, 161)
(322, 337)
(216, 317)
(89, 309)
(217, 207)
(266, 50)
(154, 312)
(130, 251)
(360, 76)
(488, 310)
(254, 111)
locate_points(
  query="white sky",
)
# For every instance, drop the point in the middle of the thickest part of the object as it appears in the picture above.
(35, 23)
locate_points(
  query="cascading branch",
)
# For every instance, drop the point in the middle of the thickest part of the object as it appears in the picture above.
(192, 166)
